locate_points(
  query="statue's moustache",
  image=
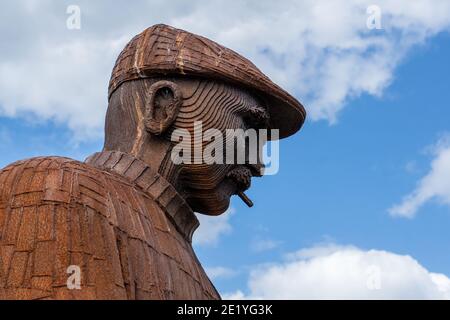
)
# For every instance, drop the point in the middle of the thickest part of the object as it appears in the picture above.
(242, 176)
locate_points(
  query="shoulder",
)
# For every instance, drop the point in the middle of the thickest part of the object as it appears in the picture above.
(30, 170)
(38, 164)
(23, 172)
(45, 178)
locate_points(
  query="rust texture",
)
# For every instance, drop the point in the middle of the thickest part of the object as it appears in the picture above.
(125, 217)
(62, 212)
(164, 50)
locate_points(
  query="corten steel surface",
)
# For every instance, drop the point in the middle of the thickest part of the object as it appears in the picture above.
(63, 212)
(125, 215)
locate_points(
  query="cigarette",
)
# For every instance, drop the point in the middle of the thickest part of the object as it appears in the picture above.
(246, 199)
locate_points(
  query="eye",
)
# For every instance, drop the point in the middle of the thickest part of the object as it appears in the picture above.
(248, 121)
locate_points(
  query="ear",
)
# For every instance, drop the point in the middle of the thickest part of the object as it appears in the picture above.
(162, 106)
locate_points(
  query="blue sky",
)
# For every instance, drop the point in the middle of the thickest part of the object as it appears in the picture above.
(376, 117)
(336, 183)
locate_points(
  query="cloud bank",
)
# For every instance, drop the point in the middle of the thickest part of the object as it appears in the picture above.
(344, 272)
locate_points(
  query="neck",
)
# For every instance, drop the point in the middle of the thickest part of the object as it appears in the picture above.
(146, 178)
(156, 153)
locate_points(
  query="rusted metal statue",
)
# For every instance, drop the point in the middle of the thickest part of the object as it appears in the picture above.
(125, 217)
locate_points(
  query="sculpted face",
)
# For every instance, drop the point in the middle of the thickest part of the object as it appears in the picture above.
(216, 105)
(144, 115)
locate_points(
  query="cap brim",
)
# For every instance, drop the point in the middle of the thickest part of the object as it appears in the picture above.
(285, 116)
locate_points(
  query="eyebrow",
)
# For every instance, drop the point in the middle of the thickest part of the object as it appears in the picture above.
(258, 115)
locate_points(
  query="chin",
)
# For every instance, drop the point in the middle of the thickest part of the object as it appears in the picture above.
(210, 208)
(212, 202)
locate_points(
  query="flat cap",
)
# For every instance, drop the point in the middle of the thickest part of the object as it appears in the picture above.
(164, 50)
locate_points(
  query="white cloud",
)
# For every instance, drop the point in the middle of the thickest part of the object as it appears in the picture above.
(344, 272)
(237, 295)
(219, 272)
(67, 91)
(260, 245)
(434, 186)
(321, 51)
(212, 228)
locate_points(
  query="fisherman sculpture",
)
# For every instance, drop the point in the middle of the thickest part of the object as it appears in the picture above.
(125, 217)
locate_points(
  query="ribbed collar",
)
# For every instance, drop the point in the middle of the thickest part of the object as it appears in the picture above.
(169, 200)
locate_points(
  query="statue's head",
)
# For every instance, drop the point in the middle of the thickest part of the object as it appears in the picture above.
(181, 102)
